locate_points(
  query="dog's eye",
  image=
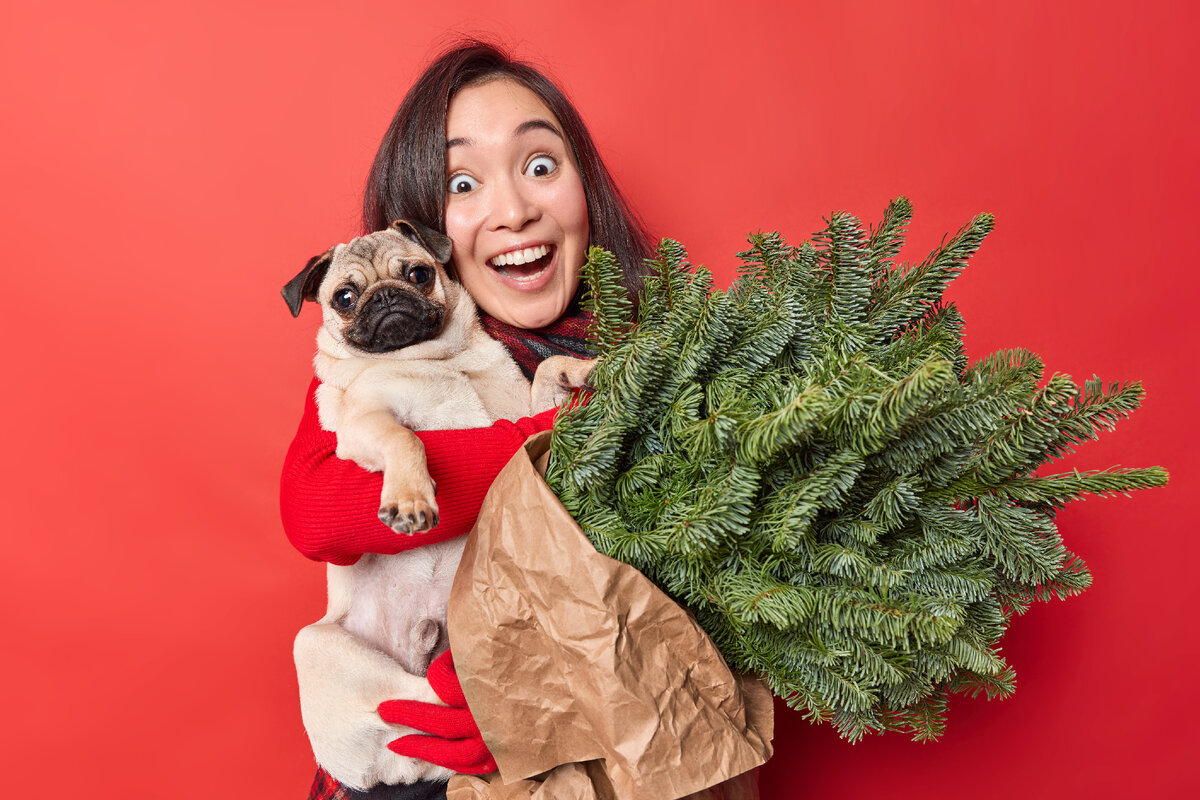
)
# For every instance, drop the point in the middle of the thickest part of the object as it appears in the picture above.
(345, 298)
(460, 184)
(419, 275)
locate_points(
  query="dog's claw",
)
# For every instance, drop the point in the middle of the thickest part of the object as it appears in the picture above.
(390, 516)
(410, 522)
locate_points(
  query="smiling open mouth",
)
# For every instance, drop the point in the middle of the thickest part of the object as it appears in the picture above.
(523, 265)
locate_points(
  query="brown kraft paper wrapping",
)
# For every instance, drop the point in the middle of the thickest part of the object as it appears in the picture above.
(572, 660)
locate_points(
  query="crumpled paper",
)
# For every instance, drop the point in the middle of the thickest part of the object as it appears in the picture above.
(581, 782)
(586, 680)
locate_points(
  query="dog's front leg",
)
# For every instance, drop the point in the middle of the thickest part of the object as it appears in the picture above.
(342, 682)
(556, 377)
(376, 440)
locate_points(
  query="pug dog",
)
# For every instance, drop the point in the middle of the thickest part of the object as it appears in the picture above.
(400, 349)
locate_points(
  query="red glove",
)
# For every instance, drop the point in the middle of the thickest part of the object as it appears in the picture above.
(455, 741)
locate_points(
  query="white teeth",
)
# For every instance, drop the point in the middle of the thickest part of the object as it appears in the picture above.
(518, 257)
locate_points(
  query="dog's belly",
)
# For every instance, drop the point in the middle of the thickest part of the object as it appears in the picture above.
(398, 602)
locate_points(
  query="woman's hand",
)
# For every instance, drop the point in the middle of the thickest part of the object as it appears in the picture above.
(454, 740)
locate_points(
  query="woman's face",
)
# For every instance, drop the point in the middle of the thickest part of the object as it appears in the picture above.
(515, 207)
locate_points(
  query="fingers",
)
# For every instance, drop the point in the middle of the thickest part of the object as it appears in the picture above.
(443, 678)
(443, 662)
(453, 723)
(469, 756)
(454, 741)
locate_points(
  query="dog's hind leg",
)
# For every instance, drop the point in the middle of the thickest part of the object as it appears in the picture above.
(342, 682)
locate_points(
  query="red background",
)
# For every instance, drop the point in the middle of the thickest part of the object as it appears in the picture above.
(167, 167)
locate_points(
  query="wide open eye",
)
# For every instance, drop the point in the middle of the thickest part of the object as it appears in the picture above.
(461, 184)
(344, 298)
(420, 274)
(541, 166)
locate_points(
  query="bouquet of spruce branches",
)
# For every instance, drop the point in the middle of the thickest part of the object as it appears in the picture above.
(809, 463)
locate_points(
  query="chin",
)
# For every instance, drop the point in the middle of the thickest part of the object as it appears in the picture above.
(531, 319)
(521, 313)
(534, 321)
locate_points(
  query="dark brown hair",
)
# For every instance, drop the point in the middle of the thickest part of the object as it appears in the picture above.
(408, 178)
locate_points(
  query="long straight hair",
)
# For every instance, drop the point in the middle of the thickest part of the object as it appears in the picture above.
(408, 178)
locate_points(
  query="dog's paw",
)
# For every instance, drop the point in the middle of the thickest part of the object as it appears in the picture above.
(407, 504)
(574, 373)
(556, 378)
(408, 518)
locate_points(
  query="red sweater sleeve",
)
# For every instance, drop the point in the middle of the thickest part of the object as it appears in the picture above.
(329, 505)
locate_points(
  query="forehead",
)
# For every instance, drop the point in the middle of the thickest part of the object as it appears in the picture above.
(494, 110)
(381, 244)
(378, 250)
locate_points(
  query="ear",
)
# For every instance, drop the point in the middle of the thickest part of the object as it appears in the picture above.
(438, 244)
(306, 284)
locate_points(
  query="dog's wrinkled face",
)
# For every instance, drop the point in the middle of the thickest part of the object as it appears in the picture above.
(380, 292)
(383, 293)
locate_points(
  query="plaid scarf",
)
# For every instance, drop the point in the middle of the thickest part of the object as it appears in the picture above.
(565, 337)
(326, 788)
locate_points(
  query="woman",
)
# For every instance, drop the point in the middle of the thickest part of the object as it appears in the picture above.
(490, 151)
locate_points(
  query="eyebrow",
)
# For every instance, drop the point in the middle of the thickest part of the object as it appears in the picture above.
(522, 129)
(536, 124)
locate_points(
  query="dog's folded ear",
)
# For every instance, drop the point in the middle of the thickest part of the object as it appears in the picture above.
(438, 244)
(306, 284)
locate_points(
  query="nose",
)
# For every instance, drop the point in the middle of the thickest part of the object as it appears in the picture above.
(512, 206)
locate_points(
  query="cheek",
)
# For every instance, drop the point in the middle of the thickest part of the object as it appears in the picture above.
(571, 214)
(468, 274)
(458, 229)
(461, 230)
(580, 233)
(574, 214)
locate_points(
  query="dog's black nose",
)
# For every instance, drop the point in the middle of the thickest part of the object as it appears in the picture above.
(389, 296)
(393, 318)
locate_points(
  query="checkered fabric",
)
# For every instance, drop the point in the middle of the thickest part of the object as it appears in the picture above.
(324, 787)
(566, 337)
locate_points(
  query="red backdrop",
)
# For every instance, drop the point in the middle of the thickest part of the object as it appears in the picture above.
(167, 167)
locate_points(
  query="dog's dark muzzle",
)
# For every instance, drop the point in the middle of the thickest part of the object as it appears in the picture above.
(392, 319)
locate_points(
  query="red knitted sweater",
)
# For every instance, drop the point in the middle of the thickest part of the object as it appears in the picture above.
(329, 505)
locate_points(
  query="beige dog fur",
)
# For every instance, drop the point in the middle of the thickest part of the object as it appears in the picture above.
(385, 619)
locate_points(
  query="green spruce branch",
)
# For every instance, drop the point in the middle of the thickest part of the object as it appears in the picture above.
(810, 464)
